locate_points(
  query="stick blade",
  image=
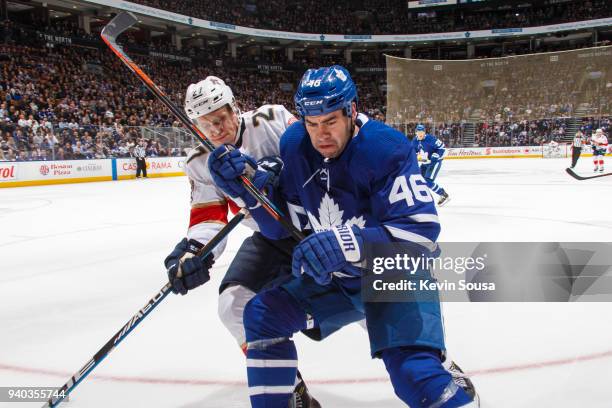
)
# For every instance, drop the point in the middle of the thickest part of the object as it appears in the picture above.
(119, 24)
(573, 174)
(579, 177)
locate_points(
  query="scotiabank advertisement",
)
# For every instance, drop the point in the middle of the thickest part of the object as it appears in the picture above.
(156, 167)
(499, 152)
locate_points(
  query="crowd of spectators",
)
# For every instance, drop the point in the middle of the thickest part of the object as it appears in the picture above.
(509, 133)
(588, 125)
(380, 16)
(62, 101)
(535, 132)
(510, 89)
(521, 133)
(63, 28)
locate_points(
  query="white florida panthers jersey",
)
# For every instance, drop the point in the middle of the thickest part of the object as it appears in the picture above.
(600, 141)
(258, 136)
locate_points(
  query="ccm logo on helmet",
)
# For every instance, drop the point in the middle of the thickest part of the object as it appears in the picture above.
(197, 105)
(312, 103)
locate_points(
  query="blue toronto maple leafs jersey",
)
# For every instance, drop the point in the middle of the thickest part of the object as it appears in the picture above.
(374, 184)
(431, 146)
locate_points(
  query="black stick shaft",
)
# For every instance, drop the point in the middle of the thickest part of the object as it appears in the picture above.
(131, 324)
(579, 177)
(109, 34)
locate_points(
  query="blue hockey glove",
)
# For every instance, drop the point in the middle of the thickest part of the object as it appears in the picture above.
(321, 254)
(267, 174)
(227, 164)
(186, 270)
(434, 158)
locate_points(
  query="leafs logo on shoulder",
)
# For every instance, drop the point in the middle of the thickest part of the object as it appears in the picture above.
(330, 215)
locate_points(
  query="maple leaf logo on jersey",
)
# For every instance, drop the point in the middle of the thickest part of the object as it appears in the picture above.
(330, 215)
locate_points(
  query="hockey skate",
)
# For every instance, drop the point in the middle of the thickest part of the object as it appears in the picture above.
(444, 199)
(301, 397)
(462, 381)
(596, 169)
(601, 169)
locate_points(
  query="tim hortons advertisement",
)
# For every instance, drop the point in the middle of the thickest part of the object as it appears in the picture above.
(492, 152)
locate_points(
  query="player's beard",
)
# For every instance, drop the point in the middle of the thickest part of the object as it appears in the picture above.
(351, 128)
(339, 144)
(350, 132)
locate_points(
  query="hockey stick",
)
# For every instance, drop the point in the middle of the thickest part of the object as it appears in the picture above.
(579, 177)
(111, 31)
(62, 392)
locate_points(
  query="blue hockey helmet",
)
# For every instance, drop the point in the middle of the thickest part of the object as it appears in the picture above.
(420, 128)
(325, 90)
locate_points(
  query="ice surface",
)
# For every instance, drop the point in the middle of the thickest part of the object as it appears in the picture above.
(77, 261)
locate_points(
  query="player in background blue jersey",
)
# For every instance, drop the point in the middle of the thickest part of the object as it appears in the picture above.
(430, 152)
(353, 181)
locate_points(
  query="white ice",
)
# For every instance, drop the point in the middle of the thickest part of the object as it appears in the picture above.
(77, 261)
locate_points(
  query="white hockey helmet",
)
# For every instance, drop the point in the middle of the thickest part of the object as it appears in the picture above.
(207, 96)
(599, 131)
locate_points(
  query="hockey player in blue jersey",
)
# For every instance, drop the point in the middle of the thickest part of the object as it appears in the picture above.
(430, 151)
(356, 181)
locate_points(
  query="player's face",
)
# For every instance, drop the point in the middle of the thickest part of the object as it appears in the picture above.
(220, 126)
(420, 135)
(330, 133)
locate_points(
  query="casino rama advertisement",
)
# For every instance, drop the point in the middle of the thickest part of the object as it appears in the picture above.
(156, 167)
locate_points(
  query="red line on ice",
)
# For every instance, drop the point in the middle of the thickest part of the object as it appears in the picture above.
(171, 381)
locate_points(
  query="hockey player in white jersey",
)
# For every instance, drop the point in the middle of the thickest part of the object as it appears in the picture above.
(211, 105)
(599, 141)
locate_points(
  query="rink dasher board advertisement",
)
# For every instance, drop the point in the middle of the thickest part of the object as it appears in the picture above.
(18, 174)
(493, 152)
(35, 173)
(505, 152)
(156, 167)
